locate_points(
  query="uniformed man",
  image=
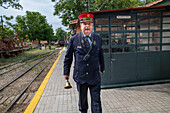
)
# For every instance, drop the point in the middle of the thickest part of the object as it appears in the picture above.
(89, 60)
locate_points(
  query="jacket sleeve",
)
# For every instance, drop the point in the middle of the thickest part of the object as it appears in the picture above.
(68, 57)
(101, 58)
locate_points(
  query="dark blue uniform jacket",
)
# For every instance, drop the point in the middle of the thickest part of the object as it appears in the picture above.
(84, 72)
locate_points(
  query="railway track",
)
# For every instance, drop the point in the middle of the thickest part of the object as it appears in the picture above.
(24, 86)
(5, 69)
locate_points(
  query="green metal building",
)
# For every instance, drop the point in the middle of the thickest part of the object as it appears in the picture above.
(136, 45)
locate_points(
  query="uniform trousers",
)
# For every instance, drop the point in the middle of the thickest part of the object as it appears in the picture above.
(95, 97)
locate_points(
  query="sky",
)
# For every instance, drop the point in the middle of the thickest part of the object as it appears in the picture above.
(45, 7)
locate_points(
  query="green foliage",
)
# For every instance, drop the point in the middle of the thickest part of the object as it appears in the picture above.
(34, 26)
(7, 27)
(71, 9)
(10, 3)
(60, 33)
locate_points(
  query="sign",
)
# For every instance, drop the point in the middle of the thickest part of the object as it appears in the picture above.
(123, 17)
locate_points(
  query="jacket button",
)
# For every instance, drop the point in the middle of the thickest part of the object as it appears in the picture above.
(87, 64)
(87, 73)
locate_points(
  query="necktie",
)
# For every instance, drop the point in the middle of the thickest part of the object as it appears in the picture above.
(87, 42)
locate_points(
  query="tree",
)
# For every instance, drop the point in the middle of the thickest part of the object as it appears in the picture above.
(34, 26)
(60, 34)
(10, 3)
(7, 27)
(69, 10)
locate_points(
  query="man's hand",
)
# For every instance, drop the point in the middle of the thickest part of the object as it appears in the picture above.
(66, 77)
(102, 71)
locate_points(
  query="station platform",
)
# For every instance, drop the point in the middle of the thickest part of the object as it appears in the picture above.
(139, 99)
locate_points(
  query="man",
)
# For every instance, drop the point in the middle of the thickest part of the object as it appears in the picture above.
(86, 69)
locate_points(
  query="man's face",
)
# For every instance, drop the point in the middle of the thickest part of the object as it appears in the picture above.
(86, 27)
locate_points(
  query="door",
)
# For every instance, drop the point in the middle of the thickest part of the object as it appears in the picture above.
(122, 49)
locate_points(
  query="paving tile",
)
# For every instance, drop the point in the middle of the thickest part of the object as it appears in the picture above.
(139, 99)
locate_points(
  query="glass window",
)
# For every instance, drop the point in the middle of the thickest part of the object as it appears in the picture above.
(117, 41)
(157, 13)
(116, 27)
(154, 48)
(116, 21)
(102, 21)
(129, 35)
(167, 47)
(166, 13)
(165, 40)
(142, 48)
(104, 35)
(154, 40)
(129, 24)
(116, 49)
(155, 35)
(142, 14)
(105, 50)
(105, 42)
(117, 35)
(142, 41)
(143, 20)
(166, 19)
(143, 26)
(142, 35)
(166, 26)
(102, 28)
(166, 34)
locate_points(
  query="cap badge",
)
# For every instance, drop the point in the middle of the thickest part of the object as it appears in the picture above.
(88, 15)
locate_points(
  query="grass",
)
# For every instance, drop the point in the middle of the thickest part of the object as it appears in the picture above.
(24, 55)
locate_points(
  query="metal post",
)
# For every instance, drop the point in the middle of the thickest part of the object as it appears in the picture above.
(2, 27)
(89, 5)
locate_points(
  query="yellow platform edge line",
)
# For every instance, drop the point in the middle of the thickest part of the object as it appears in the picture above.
(36, 98)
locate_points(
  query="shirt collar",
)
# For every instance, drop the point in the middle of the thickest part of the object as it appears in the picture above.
(85, 35)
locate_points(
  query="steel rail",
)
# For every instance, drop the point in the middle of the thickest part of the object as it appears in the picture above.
(24, 64)
(22, 73)
(19, 96)
(22, 61)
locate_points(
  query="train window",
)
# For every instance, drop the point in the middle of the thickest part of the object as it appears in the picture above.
(104, 21)
(142, 48)
(154, 48)
(167, 47)
(102, 28)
